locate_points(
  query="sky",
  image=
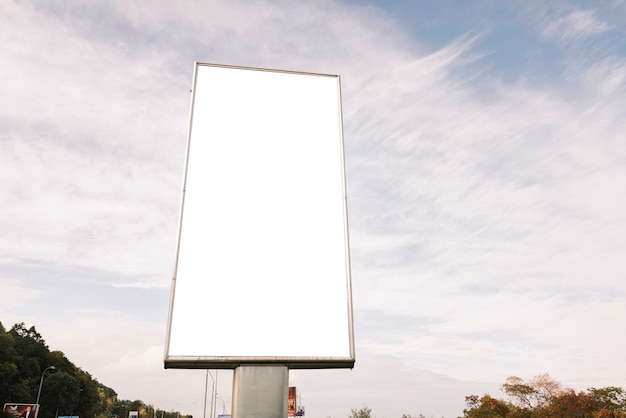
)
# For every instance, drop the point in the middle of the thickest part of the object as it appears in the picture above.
(486, 178)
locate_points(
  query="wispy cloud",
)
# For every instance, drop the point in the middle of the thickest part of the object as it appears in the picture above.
(17, 297)
(486, 215)
(575, 25)
(488, 205)
(97, 119)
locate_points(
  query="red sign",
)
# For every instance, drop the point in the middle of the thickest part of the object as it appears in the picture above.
(291, 402)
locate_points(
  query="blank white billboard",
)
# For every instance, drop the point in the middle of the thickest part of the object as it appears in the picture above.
(262, 270)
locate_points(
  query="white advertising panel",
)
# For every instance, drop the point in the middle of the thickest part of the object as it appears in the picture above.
(262, 270)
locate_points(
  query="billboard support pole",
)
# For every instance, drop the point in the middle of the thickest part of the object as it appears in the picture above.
(260, 391)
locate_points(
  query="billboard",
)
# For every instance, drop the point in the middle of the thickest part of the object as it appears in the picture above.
(262, 272)
(291, 402)
(22, 410)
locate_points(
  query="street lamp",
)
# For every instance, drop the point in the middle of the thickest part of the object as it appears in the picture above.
(206, 384)
(214, 401)
(41, 381)
(213, 393)
(223, 404)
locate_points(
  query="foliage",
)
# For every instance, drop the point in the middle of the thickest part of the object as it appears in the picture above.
(66, 389)
(544, 397)
(610, 398)
(364, 412)
(534, 394)
(486, 407)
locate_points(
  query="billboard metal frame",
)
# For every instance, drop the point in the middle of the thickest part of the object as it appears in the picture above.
(232, 362)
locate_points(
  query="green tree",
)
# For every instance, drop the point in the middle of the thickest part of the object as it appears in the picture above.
(364, 412)
(60, 395)
(8, 368)
(89, 396)
(24, 356)
(22, 353)
(106, 401)
(611, 399)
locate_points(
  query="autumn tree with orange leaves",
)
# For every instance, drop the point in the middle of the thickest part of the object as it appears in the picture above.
(544, 397)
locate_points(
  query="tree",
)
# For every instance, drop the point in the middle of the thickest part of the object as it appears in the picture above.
(121, 408)
(8, 369)
(60, 395)
(522, 395)
(485, 407)
(611, 399)
(546, 388)
(568, 404)
(364, 412)
(106, 401)
(24, 356)
(538, 392)
(544, 397)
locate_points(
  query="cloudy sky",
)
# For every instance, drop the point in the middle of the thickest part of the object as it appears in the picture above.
(486, 175)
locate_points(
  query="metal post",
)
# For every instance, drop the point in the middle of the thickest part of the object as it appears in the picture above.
(260, 391)
(223, 404)
(214, 397)
(41, 382)
(206, 387)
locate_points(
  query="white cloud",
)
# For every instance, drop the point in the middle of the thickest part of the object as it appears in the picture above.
(575, 25)
(16, 298)
(608, 78)
(493, 210)
(97, 125)
(91, 135)
(388, 394)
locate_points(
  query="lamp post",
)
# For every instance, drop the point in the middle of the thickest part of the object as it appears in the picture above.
(206, 384)
(214, 401)
(41, 381)
(223, 404)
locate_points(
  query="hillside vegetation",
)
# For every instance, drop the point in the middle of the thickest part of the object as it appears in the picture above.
(66, 390)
